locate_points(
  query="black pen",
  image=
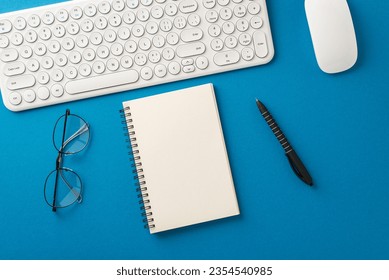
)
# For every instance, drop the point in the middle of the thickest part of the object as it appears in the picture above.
(295, 162)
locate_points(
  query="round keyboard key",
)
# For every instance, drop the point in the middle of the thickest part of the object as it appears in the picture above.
(225, 13)
(143, 14)
(96, 39)
(228, 27)
(217, 44)
(103, 52)
(48, 18)
(130, 46)
(126, 62)
(223, 2)
(104, 7)
(29, 96)
(168, 54)
(43, 93)
(87, 25)
(154, 57)
(254, 8)
(118, 5)
(151, 27)
(61, 60)
(34, 21)
(5, 26)
(158, 41)
(33, 65)
(26, 52)
(144, 44)
(202, 62)
(188, 69)
(68, 44)
(140, 59)
(113, 64)
(115, 20)
(98, 67)
(214, 30)
(231, 42)
(247, 54)
(209, 4)
(171, 9)
(76, 13)
(57, 90)
(256, 22)
(156, 12)
(117, 49)
(54, 46)
(17, 39)
(40, 49)
(146, 73)
(62, 15)
(166, 25)
(73, 28)
(124, 33)
(15, 98)
(9, 55)
(174, 68)
(101, 23)
(129, 17)
(160, 71)
(110, 36)
(4, 42)
(59, 31)
(31, 36)
(71, 72)
(90, 10)
(172, 38)
(179, 22)
(45, 33)
(82, 41)
(20, 23)
(242, 25)
(89, 54)
(85, 70)
(146, 2)
(211, 16)
(138, 30)
(194, 19)
(239, 10)
(132, 4)
(244, 39)
(43, 78)
(75, 57)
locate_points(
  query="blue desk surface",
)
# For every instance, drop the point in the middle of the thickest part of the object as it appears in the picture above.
(338, 124)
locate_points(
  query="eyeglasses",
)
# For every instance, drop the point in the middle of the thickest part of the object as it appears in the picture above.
(63, 186)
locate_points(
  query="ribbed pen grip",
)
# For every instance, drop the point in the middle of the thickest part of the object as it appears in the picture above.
(137, 169)
(277, 131)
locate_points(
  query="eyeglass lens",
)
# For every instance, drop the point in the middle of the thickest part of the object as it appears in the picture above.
(68, 188)
(76, 134)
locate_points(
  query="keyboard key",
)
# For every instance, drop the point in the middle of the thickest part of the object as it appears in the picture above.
(157, 12)
(48, 18)
(211, 16)
(102, 81)
(144, 44)
(85, 70)
(113, 64)
(20, 23)
(160, 71)
(132, 4)
(191, 49)
(194, 19)
(240, 11)
(140, 59)
(47, 62)
(191, 35)
(26, 52)
(171, 9)
(29, 96)
(168, 54)
(31, 36)
(98, 67)
(188, 69)
(71, 72)
(217, 44)
(188, 6)
(14, 68)
(117, 49)
(5, 26)
(129, 17)
(20, 82)
(179, 22)
(90, 10)
(17, 39)
(226, 58)
(33, 65)
(43, 78)
(76, 13)
(174, 68)
(73, 28)
(126, 62)
(62, 15)
(118, 5)
(223, 2)
(202, 62)
(260, 44)
(43, 93)
(4, 42)
(209, 4)
(61, 60)
(146, 73)
(57, 90)
(9, 55)
(152, 27)
(54, 46)
(34, 21)
(254, 8)
(247, 54)
(104, 7)
(57, 75)
(256, 22)
(15, 98)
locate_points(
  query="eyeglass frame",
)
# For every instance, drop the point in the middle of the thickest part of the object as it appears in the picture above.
(60, 156)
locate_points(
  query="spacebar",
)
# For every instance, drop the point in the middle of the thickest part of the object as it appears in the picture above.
(102, 82)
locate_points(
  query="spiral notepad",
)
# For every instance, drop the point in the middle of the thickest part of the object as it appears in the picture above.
(180, 158)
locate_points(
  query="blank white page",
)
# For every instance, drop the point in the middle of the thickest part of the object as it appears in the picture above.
(184, 157)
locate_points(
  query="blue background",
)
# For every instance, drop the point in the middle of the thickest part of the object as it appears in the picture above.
(338, 124)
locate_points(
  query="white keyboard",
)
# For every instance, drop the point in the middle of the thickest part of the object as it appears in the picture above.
(75, 50)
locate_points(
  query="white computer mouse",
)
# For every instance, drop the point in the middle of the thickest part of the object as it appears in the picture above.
(333, 35)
